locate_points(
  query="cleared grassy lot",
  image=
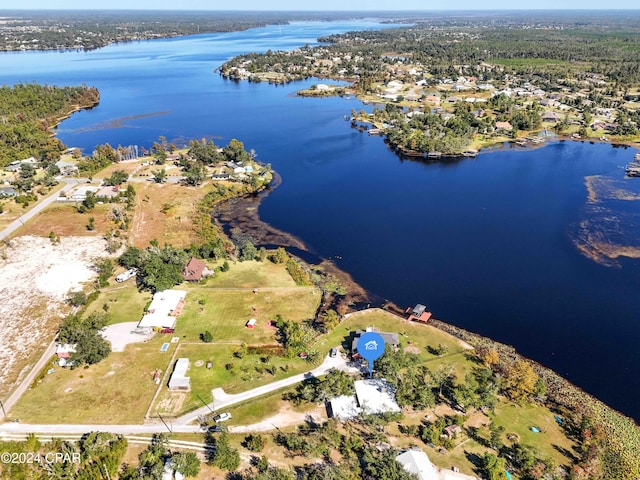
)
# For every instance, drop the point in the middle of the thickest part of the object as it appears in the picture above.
(117, 390)
(229, 372)
(252, 274)
(225, 312)
(124, 302)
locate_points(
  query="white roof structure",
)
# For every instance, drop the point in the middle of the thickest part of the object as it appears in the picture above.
(179, 379)
(161, 311)
(344, 407)
(376, 396)
(417, 462)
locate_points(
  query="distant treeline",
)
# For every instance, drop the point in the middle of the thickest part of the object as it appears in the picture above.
(27, 113)
(52, 30)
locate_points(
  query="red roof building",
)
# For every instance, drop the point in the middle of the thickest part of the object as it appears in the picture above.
(194, 270)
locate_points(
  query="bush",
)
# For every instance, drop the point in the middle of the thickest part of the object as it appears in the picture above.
(206, 337)
(254, 443)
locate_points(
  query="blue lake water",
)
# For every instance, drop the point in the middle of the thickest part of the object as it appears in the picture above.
(487, 244)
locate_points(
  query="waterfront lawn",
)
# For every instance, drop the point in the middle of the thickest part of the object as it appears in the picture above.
(519, 419)
(415, 337)
(117, 390)
(243, 374)
(125, 303)
(225, 312)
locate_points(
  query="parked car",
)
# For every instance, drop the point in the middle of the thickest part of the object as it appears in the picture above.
(222, 417)
(216, 429)
(167, 330)
(333, 352)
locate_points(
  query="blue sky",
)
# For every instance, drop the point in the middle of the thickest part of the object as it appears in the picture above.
(319, 4)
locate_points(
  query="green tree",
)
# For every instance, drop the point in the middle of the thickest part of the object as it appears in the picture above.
(187, 463)
(248, 251)
(116, 178)
(254, 442)
(492, 466)
(206, 337)
(224, 456)
(159, 175)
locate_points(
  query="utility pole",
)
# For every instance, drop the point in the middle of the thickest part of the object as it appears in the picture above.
(165, 423)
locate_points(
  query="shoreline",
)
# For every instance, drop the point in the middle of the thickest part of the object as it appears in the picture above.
(560, 390)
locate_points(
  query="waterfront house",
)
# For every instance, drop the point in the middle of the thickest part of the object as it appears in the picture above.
(388, 337)
(551, 117)
(504, 126)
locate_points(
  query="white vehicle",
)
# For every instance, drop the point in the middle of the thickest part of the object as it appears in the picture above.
(222, 417)
(123, 277)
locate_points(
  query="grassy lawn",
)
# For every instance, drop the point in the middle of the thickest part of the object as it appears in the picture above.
(520, 419)
(261, 408)
(225, 312)
(245, 373)
(252, 274)
(415, 336)
(117, 390)
(125, 302)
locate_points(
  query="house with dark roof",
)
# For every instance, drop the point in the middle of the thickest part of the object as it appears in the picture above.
(389, 339)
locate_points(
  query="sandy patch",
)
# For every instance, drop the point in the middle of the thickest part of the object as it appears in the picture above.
(35, 277)
(119, 334)
(285, 418)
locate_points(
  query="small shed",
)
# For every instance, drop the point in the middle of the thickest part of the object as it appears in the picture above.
(251, 323)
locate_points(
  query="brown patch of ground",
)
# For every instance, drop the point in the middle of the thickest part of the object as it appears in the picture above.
(286, 417)
(164, 212)
(64, 220)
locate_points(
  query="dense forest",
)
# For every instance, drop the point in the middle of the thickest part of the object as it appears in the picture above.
(27, 114)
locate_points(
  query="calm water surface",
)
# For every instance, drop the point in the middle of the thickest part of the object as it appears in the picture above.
(485, 243)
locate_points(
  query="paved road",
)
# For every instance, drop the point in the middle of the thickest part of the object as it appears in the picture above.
(181, 424)
(26, 383)
(18, 222)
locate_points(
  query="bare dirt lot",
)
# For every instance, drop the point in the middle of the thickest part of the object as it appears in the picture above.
(120, 335)
(35, 277)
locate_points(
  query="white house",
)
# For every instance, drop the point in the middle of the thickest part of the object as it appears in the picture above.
(373, 397)
(179, 379)
(417, 462)
(164, 309)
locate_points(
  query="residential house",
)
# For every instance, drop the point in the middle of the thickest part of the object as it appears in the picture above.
(389, 339)
(194, 270)
(179, 379)
(551, 117)
(504, 126)
(163, 310)
(372, 397)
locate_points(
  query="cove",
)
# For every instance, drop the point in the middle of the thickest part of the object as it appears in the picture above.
(489, 244)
